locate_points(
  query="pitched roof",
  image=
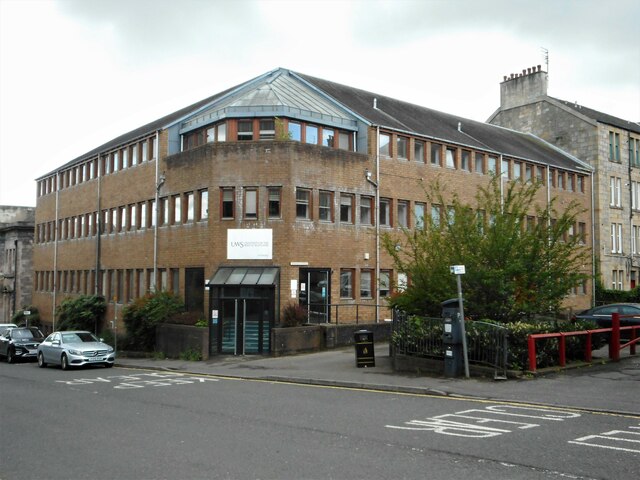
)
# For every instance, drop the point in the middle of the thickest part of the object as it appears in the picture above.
(398, 115)
(277, 88)
(601, 117)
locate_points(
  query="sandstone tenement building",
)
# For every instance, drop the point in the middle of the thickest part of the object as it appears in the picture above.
(271, 193)
(609, 144)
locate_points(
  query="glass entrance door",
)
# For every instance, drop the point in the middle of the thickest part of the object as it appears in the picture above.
(315, 291)
(245, 326)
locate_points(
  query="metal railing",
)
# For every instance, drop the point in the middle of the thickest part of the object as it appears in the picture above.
(487, 343)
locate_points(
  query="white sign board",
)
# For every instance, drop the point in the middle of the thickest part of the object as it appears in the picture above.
(457, 269)
(250, 244)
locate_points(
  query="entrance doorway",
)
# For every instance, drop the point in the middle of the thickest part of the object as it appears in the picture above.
(315, 294)
(243, 306)
(245, 326)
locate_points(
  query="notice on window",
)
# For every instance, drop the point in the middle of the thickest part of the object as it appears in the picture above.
(250, 244)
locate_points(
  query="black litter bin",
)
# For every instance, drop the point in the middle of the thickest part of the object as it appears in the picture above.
(365, 356)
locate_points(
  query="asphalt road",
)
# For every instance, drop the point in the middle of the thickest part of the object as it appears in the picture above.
(132, 424)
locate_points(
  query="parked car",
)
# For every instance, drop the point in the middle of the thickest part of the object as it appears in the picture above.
(4, 326)
(74, 349)
(20, 343)
(602, 315)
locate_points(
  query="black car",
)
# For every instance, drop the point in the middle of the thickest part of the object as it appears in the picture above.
(602, 315)
(20, 343)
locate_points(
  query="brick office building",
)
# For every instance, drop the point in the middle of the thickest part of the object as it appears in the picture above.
(273, 192)
(609, 144)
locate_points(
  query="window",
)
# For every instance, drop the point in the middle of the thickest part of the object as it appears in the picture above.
(385, 283)
(435, 215)
(401, 147)
(326, 206)
(451, 158)
(403, 281)
(616, 238)
(418, 151)
(346, 283)
(492, 168)
(133, 209)
(303, 204)
(145, 151)
(217, 133)
(245, 130)
(346, 208)
(465, 160)
(228, 203)
(203, 202)
(143, 215)
(365, 284)
(418, 213)
(479, 163)
(154, 213)
(115, 158)
(385, 212)
(177, 209)
(617, 278)
(403, 213)
(634, 151)
(614, 147)
(274, 202)
(436, 154)
(582, 233)
(561, 185)
(251, 203)
(134, 154)
(125, 158)
(504, 169)
(579, 183)
(311, 134)
(517, 170)
(189, 206)
(385, 141)
(634, 239)
(366, 210)
(328, 137)
(528, 173)
(343, 141)
(295, 131)
(615, 189)
(267, 129)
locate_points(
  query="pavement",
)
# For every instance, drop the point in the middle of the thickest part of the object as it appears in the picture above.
(601, 387)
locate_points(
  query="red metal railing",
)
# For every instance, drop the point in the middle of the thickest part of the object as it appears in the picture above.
(614, 342)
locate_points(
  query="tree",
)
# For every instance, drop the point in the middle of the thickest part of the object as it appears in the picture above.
(143, 314)
(81, 313)
(521, 255)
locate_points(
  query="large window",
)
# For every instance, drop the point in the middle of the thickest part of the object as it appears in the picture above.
(303, 204)
(492, 163)
(615, 192)
(385, 142)
(614, 147)
(346, 283)
(465, 160)
(295, 131)
(385, 283)
(267, 129)
(402, 146)
(343, 141)
(328, 137)
(436, 154)
(274, 201)
(346, 208)
(245, 130)
(228, 202)
(479, 163)
(326, 206)
(418, 151)
(436, 212)
(311, 134)
(616, 238)
(203, 201)
(251, 203)
(177, 209)
(366, 210)
(385, 212)
(451, 158)
(366, 277)
(403, 213)
(419, 211)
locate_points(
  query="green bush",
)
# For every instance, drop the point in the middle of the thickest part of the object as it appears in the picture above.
(142, 316)
(81, 313)
(33, 319)
(293, 315)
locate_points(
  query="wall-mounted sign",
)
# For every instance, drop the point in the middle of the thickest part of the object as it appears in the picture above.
(250, 244)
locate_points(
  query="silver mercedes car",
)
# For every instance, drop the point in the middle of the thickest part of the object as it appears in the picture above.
(74, 349)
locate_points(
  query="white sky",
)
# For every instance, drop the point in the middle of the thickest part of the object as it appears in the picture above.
(77, 73)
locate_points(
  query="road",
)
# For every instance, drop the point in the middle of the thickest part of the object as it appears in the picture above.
(136, 424)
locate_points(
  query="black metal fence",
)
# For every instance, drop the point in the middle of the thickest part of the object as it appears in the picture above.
(487, 343)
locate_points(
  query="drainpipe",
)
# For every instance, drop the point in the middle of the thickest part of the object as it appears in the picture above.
(98, 277)
(376, 219)
(159, 183)
(15, 278)
(593, 250)
(55, 254)
(631, 250)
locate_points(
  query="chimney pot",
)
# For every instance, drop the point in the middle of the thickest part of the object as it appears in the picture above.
(528, 71)
(524, 71)
(505, 78)
(539, 68)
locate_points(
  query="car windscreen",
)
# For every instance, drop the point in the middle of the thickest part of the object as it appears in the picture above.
(78, 337)
(26, 333)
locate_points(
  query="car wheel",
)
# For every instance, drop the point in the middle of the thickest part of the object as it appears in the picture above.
(64, 362)
(41, 362)
(10, 357)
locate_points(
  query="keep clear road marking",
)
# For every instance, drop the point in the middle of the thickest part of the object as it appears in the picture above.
(491, 421)
(141, 380)
(621, 440)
